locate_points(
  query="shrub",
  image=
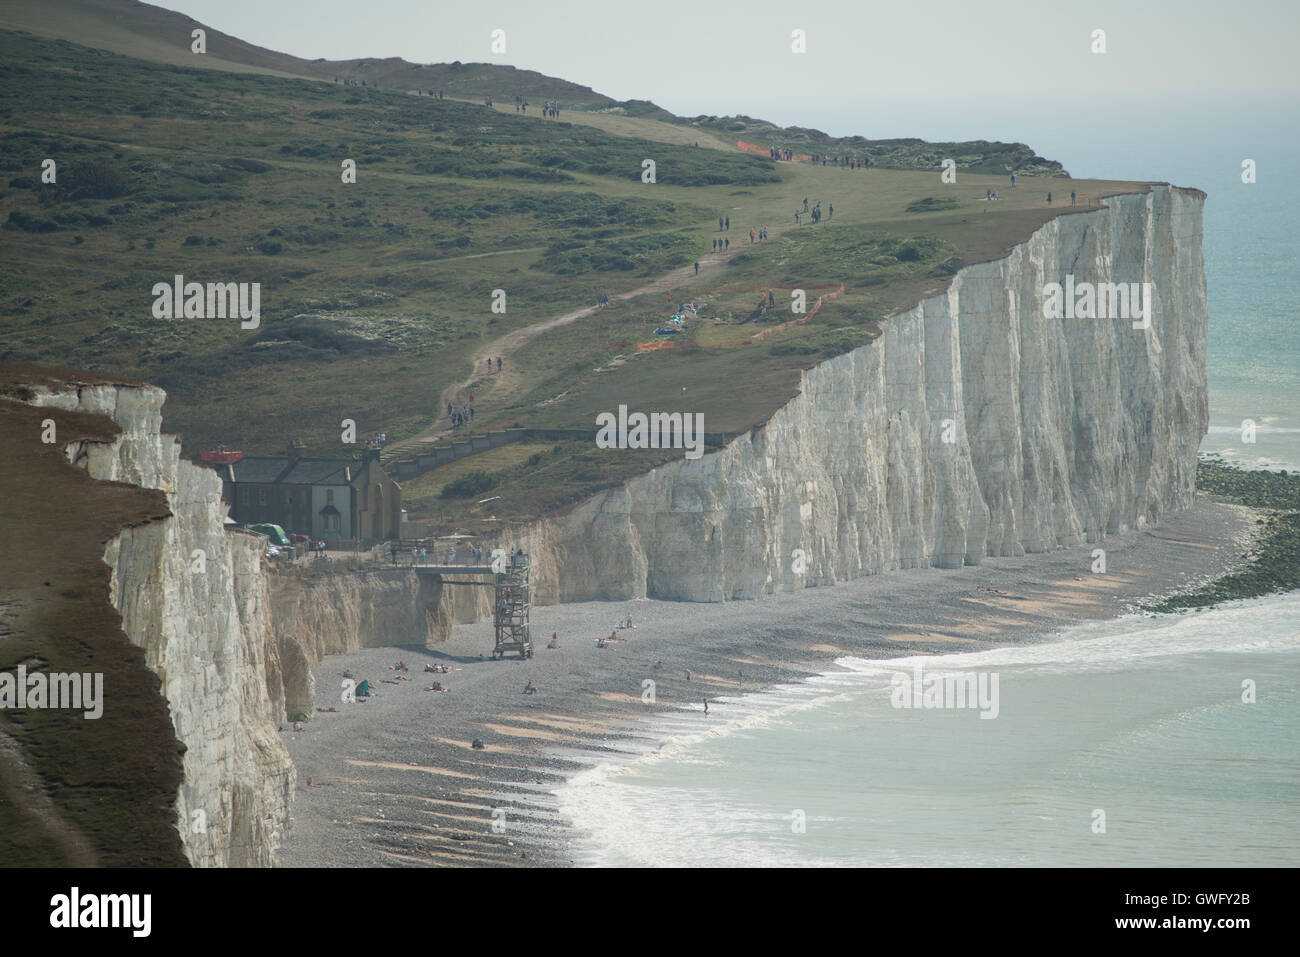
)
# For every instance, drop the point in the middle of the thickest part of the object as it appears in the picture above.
(95, 180)
(31, 224)
(472, 483)
(930, 204)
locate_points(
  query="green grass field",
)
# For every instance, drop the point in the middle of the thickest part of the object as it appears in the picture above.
(377, 295)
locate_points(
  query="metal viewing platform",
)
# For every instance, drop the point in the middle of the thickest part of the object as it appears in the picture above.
(511, 600)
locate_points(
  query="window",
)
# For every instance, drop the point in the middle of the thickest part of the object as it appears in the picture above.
(243, 495)
(329, 496)
(261, 496)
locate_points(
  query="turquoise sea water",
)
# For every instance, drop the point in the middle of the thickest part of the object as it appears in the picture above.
(1141, 719)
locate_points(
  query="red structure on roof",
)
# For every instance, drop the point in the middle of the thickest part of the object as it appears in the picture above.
(222, 456)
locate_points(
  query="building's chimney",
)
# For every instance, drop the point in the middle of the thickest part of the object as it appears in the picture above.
(296, 448)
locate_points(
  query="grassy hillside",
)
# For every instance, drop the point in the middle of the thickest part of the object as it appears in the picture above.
(377, 295)
(979, 156)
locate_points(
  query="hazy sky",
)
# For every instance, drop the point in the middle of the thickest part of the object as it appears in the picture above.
(732, 51)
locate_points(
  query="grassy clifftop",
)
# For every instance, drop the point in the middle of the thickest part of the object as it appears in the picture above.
(377, 296)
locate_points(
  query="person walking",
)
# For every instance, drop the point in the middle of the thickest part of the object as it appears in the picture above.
(1071, 197)
(1049, 199)
(728, 222)
(728, 246)
(697, 267)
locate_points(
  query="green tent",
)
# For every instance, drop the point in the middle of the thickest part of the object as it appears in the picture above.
(363, 689)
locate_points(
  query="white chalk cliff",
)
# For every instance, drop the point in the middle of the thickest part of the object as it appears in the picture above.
(1062, 431)
(203, 628)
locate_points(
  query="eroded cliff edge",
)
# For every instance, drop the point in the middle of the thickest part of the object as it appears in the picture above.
(1063, 431)
(231, 638)
(193, 597)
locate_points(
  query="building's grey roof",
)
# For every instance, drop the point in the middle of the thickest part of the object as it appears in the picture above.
(279, 470)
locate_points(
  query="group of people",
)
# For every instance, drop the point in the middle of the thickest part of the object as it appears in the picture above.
(844, 162)
(822, 159)
(815, 213)
(489, 364)
(472, 554)
(436, 94)
(718, 246)
(462, 416)
(602, 301)
(761, 234)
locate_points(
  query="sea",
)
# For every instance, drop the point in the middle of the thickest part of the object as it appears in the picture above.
(1157, 740)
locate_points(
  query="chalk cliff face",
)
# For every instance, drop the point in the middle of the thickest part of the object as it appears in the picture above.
(203, 623)
(327, 610)
(973, 427)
